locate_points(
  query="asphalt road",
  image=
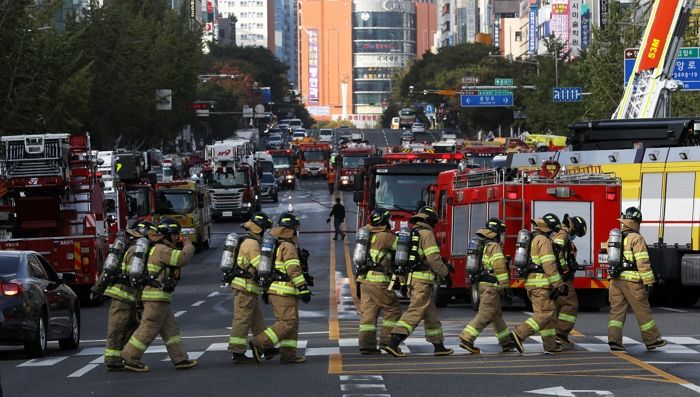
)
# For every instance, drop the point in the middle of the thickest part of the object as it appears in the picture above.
(328, 338)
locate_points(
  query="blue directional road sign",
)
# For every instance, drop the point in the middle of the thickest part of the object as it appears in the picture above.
(429, 108)
(566, 94)
(479, 100)
(687, 68)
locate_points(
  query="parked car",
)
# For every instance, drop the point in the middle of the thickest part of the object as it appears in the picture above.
(36, 303)
(325, 135)
(418, 128)
(269, 187)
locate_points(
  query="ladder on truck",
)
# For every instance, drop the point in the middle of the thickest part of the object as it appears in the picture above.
(83, 178)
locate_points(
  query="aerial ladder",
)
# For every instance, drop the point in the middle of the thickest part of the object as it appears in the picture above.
(648, 92)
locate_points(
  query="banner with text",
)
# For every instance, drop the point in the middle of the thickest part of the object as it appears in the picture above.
(313, 66)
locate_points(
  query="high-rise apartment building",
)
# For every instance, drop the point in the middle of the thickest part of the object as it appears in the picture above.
(255, 21)
(286, 37)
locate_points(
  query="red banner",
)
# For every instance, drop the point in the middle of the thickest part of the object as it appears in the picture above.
(658, 32)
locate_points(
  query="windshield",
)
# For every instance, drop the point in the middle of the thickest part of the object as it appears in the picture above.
(326, 132)
(8, 265)
(138, 202)
(282, 161)
(406, 112)
(267, 178)
(401, 191)
(267, 166)
(222, 180)
(352, 161)
(174, 202)
(444, 149)
(315, 155)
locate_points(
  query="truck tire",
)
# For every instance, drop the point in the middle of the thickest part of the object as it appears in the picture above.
(37, 347)
(73, 341)
(684, 296)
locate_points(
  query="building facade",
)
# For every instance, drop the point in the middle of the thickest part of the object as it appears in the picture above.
(286, 37)
(255, 24)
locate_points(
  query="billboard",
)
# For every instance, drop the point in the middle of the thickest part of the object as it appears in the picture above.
(532, 30)
(575, 26)
(559, 20)
(585, 26)
(313, 66)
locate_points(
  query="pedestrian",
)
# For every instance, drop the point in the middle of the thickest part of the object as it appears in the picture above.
(246, 310)
(375, 295)
(543, 284)
(338, 215)
(164, 263)
(492, 283)
(630, 286)
(331, 180)
(565, 250)
(421, 281)
(288, 287)
(123, 316)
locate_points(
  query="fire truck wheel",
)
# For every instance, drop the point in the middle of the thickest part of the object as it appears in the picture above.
(73, 341)
(683, 296)
(474, 292)
(38, 345)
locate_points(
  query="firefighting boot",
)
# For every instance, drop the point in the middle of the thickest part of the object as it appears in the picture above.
(469, 346)
(257, 352)
(270, 353)
(293, 360)
(441, 350)
(616, 347)
(657, 343)
(564, 342)
(370, 352)
(393, 346)
(517, 341)
(138, 367)
(508, 347)
(187, 364)
(241, 358)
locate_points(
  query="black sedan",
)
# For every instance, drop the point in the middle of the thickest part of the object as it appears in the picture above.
(36, 304)
(269, 187)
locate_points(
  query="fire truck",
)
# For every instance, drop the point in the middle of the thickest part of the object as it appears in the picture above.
(351, 157)
(284, 166)
(134, 171)
(466, 198)
(398, 182)
(115, 195)
(55, 203)
(232, 179)
(187, 202)
(313, 159)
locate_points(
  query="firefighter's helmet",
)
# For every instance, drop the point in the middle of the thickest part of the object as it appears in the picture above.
(261, 219)
(578, 225)
(379, 217)
(496, 225)
(169, 226)
(144, 227)
(289, 220)
(552, 221)
(429, 214)
(633, 214)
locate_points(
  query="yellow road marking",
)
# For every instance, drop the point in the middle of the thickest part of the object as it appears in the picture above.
(573, 372)
(574, 332)
(650, 368)
(481, 365)
(484, 358)
(335, 363)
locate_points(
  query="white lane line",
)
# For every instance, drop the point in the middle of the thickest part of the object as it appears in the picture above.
(43, 362)
(198, 303)
(321, 351)
(362, 386)
(191, 355)
(673, 310)
(180, 313)
(365, 378)
(625, 340)
(673, 362)
(527, 313)
(213, 294)
(83, 371)
(692, 387)
(682, 340)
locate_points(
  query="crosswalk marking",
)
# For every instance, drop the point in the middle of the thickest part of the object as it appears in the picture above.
(682, 340)
(625, 340)
(43, 362)
(83, 371)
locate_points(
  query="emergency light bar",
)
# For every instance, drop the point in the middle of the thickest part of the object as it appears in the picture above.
(424, 156)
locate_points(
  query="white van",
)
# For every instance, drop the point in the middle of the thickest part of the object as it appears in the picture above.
(325, 135)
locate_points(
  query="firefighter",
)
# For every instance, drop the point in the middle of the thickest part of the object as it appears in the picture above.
(632, 286)
(123, 310)
(246, 310)
(421, 281)
(374, 292)
(493, 282)
(164, 263)
(284, 294)
(567, 304)
(543, 284)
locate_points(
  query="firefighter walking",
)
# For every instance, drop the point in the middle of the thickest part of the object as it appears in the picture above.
(164, 263)
(375, 295)
(246, 309)
(123, 310)
(493, 282)
(631, 281)
(567, 304)
(421, 280)
(288, 287)
(543, 284)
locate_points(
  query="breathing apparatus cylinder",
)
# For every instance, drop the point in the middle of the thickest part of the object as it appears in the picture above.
(228, 259)
(116, 253)
(403, 247)
(138, 260)
(615, 252)
(473, 260)
(522, 249)
(267, 260)
(359, 256)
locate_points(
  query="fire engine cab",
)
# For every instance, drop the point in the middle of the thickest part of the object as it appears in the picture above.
(466, 198)
(351, 157)
(313, 159)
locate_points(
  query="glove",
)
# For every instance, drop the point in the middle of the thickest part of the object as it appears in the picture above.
(328, 220)
(558, 291)
(266, 298)
(649, 288)
(450, 267)
(448, 281)
(305, 294)
(93, 296)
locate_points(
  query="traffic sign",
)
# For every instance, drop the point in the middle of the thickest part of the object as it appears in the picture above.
(687, 68)
(503, 81)
(502, 100)
(566, 94)
(429, 108)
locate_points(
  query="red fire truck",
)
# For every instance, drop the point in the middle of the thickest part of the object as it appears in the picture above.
(55, 203)
(398, 182)
(351, 157)
(284, 166)
(466, 198)
(313, 159)
(134, 171)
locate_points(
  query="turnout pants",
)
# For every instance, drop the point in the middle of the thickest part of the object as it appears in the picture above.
(421, 308)
(542, 320)
(121, 324)
(489, 313)
(246, 316)
(158, 319)
(624, 294)
(285, 330)
(375, 299)
(567, 307)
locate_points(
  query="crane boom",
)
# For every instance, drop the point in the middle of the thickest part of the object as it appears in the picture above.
(647, 94)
